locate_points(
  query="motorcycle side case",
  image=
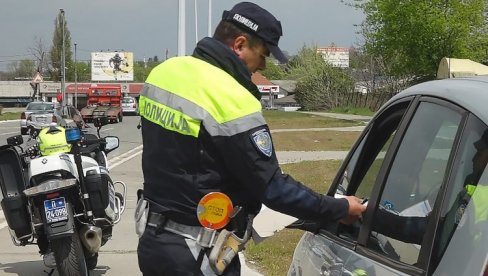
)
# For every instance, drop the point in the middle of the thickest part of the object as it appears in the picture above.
(101, 191)
(12, 184)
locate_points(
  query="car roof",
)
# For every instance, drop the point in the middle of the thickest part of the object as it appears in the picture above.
(470, 93)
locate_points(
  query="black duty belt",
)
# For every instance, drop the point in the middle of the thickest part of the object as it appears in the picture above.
(205, 237)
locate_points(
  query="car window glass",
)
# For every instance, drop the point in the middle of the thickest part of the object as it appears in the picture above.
(470, 172)
(412, 184)
(367, 183)
(365, 163)
(40, 106)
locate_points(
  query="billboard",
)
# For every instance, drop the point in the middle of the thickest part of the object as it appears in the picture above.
(112, 66)
(336, 56)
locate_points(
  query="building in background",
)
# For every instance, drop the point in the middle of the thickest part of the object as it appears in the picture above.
(336, 56)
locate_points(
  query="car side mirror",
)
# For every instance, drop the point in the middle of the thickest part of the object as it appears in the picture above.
(15, 140)
(100, 121)
(111, 143)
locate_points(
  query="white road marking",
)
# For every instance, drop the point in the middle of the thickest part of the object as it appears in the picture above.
(106, 129)
(8, 133)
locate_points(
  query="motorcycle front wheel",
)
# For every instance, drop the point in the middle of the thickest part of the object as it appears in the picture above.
(68, 252)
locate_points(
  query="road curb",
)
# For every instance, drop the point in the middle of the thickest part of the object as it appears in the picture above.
(6, 121)
(3, 221)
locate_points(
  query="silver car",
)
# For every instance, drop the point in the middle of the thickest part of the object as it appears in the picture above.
(66, 116)
(130, 106)
(421, 165)
(38, 108)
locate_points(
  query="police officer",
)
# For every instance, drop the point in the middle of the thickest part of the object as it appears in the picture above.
(203, 131)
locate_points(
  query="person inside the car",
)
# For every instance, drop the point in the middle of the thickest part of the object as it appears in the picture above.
(411, 229)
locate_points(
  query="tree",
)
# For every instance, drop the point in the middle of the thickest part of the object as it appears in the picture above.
(83, 71)
(24, 69)
(320, 86)
(60, 27)
(273, 71)
(142, 70)
(413, 36)
(40, 53)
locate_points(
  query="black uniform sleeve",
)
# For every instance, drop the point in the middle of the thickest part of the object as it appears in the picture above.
(406, 229)
(251, 159)
(286, 195)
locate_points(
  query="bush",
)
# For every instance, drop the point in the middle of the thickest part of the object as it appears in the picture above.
(1, 108)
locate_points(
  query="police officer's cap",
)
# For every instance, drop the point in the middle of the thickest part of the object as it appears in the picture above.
(258, 21)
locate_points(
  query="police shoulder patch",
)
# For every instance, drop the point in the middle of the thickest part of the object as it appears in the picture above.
(262, 141)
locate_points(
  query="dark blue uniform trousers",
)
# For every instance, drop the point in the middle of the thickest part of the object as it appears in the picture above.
(163, 253)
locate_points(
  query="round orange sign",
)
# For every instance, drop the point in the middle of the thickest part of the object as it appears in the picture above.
(214, 210)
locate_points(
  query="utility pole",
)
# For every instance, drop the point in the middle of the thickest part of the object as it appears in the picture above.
(76, 81)
(196, 23)
(63, 66)
(209, 18)
(181, 27)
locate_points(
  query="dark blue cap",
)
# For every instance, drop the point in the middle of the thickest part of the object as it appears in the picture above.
(257, 21)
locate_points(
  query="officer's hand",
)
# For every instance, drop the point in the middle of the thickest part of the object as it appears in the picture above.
(355, 211)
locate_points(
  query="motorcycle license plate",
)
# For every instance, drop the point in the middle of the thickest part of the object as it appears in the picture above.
(55, 210)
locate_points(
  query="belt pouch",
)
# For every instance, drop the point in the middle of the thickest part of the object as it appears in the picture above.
(140, 216)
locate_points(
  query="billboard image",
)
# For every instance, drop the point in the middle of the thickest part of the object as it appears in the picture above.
(336, 56)
(112, 66)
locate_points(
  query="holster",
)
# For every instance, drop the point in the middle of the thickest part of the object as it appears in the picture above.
(141, 214)
(227, 246)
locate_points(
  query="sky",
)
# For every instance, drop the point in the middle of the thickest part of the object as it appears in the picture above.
(148, 28)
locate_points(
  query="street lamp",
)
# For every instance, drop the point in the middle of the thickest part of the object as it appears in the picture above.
(76, 82)
(181, 28)
(209, 18)
(63, 91)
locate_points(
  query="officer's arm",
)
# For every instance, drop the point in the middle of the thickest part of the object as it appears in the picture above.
(286, 195)
(252, 160)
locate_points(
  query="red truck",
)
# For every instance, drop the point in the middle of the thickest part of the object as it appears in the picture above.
(103, 101)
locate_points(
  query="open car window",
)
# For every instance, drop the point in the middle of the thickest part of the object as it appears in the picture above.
(363, 167)
(413, 181)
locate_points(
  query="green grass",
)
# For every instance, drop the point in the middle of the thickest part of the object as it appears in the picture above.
(314, 140)
(286, 120)
(10, 116)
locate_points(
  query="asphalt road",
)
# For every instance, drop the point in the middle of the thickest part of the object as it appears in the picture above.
(118, 256)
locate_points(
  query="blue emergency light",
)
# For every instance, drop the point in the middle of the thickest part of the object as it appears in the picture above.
(73, 135)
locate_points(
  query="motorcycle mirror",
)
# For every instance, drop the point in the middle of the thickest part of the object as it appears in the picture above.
(100, 121)
(15, 140)
(112, 143)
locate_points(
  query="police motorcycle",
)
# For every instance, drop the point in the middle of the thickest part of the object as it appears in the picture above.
(57, 193)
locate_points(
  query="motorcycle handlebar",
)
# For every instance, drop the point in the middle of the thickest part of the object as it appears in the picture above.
(94, 141)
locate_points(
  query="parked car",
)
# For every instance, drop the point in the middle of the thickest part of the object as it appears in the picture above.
(130, 106)
(66, 116)
(421, 164)
(36, 107)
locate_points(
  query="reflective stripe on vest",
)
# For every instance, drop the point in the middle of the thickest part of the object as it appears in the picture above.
(204, 93)
(479, 195)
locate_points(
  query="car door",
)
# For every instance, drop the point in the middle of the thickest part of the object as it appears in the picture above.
(399, 163)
